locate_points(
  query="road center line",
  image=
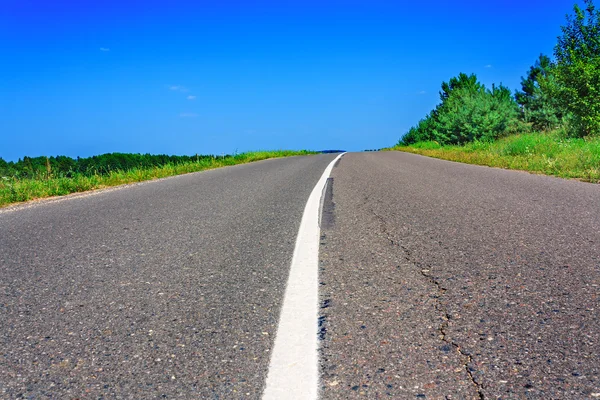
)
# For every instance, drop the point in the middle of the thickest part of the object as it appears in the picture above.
(294, 368)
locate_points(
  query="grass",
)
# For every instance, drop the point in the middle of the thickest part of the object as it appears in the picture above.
(14, 190)
(543, 153)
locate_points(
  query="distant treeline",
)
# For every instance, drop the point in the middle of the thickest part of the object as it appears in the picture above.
(67, 167)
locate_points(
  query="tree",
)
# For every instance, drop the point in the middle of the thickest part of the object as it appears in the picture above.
(476, 113)
(464, 82)
(578, 70)
(5, 169)
(538, 106)
(467, 112)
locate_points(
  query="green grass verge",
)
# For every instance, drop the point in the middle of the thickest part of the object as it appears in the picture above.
(543, 153)
(14, 190)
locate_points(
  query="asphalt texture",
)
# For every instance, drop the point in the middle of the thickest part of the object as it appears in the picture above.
(449, 281)
(167, 289)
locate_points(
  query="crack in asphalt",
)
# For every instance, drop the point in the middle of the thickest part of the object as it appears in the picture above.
(438, 306)
(444, 325)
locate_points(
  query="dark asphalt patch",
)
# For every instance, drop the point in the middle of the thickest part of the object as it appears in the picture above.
(328, 207)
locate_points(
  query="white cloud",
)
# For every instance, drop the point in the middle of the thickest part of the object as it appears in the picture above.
(191, 97)
(188, 115)
(422, 92)
(104, 49)
(178, 88)
(488, 66)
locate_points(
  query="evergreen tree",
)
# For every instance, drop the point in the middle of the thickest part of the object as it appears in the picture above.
(467, 112)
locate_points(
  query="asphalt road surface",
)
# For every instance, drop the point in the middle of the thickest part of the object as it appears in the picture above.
(449, 281)
(168, 289)
(438, 281)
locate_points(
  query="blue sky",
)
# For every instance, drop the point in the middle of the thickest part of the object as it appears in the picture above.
(183, 77)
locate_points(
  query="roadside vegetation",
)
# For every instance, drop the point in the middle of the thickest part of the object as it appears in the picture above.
(550, 126)
(40, 177)
(550, 154)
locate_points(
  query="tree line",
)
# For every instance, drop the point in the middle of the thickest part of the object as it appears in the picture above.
(563, 92)
(63, 166)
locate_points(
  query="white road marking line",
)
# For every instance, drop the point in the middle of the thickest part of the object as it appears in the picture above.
(294, 368)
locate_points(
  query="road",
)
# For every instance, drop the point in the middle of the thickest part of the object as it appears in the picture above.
(437, 281)
(450, 281)
(165, 289)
